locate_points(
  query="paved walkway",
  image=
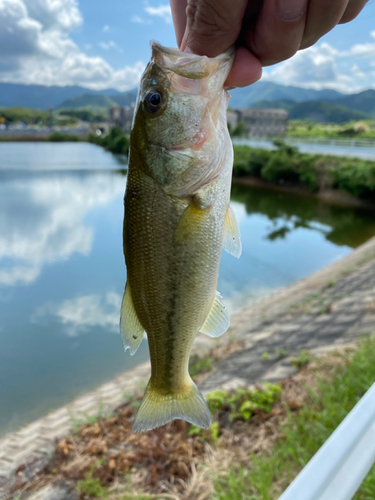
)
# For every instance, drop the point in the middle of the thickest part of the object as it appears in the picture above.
(340, 313)
(331, 306)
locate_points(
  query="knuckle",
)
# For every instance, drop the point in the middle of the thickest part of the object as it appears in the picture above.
(209, 20)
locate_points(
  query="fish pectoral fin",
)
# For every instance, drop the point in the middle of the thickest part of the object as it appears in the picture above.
(232, 237)
(192, 222)
(159, 408)
(131, 329)
(217, 321)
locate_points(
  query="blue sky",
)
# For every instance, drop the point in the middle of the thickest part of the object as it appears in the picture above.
(103, 44)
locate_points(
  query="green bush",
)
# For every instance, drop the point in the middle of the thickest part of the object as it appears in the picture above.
(115, 141)
(249, 161)
(355, 176)
(62, 137)
(287, 164)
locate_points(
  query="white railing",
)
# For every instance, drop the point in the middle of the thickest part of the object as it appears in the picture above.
(337, 470)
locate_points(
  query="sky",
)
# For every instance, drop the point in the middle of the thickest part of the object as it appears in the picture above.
(105, 44)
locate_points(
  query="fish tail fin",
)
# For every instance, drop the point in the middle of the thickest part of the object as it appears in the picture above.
(158, 409)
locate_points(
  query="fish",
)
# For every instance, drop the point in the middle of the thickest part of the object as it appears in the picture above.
(177, 220)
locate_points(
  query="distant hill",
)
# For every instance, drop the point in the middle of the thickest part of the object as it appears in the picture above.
(41, 96)
(270, 91)
(125, 98)
(264, 92)
(319, 111)
(99, 103)
(95, 103)
(363, 101)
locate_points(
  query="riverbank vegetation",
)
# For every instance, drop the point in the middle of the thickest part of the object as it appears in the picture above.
(364, 129)
(261, 437)
(115, 141)
(25, 115)
(287, 166)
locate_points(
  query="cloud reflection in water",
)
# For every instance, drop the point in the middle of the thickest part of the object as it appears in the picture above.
(42, 221)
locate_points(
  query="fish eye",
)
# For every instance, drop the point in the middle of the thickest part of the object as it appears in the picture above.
(153, 100)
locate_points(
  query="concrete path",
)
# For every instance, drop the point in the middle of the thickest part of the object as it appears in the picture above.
(340, 313)
(331, 306)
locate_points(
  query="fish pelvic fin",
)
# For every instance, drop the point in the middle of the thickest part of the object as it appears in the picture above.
(158, 409)
(217, 321)
(131, 329)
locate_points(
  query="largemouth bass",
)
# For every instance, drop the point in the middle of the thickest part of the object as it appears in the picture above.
(177, 220)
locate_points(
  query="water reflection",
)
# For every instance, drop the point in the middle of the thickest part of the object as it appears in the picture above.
(82, 314)
(340, 225)
(42, 221)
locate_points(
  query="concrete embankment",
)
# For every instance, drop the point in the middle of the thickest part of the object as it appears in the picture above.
(330, 307)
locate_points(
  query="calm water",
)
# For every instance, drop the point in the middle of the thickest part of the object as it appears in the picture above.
(62, 271)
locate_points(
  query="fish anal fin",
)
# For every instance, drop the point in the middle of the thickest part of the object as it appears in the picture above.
(131, 329)
(232, 237)
(159, 408)
(217, 321)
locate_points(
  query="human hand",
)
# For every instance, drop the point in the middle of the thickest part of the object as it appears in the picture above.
(265, 31)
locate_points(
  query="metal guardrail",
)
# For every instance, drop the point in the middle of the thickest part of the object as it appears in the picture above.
(337, 470)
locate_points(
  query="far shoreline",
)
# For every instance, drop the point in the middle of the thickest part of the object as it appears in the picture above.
(331, 196)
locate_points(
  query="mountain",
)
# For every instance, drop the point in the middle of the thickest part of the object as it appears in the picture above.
(319, 111)
(41, 96)
(270, 91)
(125, 98)
(101, 102)
(363, 101)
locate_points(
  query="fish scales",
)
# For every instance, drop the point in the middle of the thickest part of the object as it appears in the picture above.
(177, 218)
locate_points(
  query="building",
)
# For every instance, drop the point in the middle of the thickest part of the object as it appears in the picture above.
(122, 116)
(263, 122)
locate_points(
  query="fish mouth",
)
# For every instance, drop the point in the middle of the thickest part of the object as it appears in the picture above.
(191, 66)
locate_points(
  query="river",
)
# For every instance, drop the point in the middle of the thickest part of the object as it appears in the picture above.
(62, 271)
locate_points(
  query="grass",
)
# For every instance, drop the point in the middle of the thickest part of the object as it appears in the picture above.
(199, 365)
(268, 474)
(349, 130)
(77, 423)
(302, 360)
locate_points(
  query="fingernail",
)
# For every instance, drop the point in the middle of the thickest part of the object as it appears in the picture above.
(291, 10)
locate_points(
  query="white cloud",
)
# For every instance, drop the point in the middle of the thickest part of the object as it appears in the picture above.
(105, 28)
(35, 48)
(83, 313)
(163, 11)
(323, 66)
(356, 71)
(372, 34)
(43, 222)
(140, 20)
(109, 45)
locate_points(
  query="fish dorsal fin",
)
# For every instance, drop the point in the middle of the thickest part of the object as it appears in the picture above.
(217, 321)
(131, 329)
(232, 237)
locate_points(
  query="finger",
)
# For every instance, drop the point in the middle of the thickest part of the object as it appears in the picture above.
(322, 16)
(178, 8)
(278, 31)
(353, 9)
(212, 26)
(246, 69)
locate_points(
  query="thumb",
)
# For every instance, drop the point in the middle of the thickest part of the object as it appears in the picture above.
(212, 26)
